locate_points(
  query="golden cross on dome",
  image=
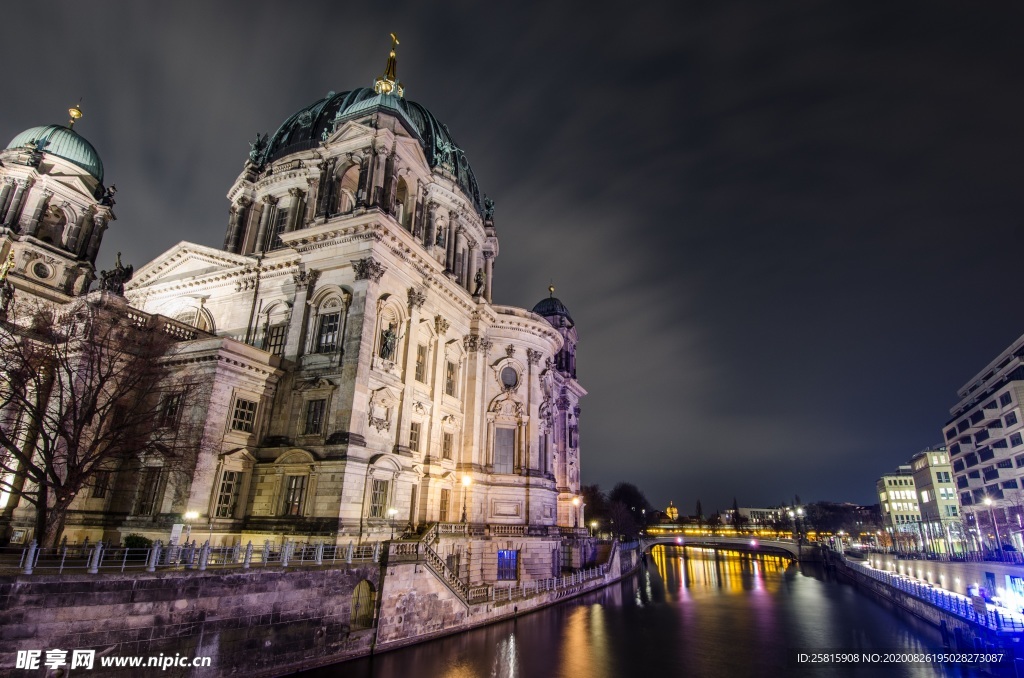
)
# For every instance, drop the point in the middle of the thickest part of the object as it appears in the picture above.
(388, 83)
(75, 112)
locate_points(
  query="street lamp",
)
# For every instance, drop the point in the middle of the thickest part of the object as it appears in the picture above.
(466, 482)
(189, 517)
(995, 528)
(575, 512)
(593, 527)
(792, 517)
(392, 512)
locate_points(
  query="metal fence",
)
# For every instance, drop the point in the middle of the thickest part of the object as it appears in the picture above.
(995, 618)
(99, 557)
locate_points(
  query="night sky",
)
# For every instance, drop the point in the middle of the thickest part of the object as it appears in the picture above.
(787, 231)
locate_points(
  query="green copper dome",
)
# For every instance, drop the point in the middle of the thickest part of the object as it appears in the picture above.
(316, 122)
(64, 143)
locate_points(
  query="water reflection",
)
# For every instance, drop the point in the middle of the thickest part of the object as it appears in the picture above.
(688, 612)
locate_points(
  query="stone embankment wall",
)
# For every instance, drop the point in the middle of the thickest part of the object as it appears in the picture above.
(953, 576)
(416, 605)
(249, 622)
(959, 633)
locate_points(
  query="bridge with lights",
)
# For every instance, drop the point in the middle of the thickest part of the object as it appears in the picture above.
(775, 547)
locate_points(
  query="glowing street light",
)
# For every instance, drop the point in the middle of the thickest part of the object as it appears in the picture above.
(593, 527)
(189, 517)
(392, 512)
(466, 482)
(575, 511)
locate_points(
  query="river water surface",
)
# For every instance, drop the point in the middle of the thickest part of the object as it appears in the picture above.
(705, 614)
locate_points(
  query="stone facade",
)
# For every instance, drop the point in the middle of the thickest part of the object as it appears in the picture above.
(351, 378)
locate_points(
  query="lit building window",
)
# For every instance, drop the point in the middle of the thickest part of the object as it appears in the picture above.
(327, 332)
(508, 565)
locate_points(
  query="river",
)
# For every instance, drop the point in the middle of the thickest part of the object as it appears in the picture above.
(706, 614)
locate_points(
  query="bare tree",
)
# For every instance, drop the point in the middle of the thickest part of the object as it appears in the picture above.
(82, 391)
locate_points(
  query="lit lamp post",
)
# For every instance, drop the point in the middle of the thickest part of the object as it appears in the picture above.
(392, 512)
(466, 482)
(995, 528)
(189, 517)
(792, 517)
(593, 527)
(575, 512)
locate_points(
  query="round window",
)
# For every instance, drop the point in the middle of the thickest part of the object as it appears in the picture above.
(509, 377)
(41, 270)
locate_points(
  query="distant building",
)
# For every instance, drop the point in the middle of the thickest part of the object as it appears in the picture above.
(753, 517)
(986, 447)
(938, 504)
(672, 513)
(901, 514)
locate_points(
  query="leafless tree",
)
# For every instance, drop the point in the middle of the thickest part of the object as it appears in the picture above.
(83, 390)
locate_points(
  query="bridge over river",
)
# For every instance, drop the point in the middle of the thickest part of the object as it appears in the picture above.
(785, 547)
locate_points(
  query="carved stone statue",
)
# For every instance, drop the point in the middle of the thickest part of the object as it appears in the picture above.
(388, 340)
(480, 279)
(108, 196)
(258, 147)
(6, 296)
(440, 238)
(488, 209)
(114, 280)
(6, 267)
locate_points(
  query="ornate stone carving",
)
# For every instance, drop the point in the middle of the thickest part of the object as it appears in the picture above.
(472, 342)
(562, 403)
(114, 280)
(368, 269)
(576, 412)
(305, 278)
(510, 350)
(416, 298)
(533, 357)
(440, 324)
(485, 344)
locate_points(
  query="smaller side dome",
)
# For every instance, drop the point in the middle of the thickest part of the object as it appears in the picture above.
(552, 307)
(64, 143)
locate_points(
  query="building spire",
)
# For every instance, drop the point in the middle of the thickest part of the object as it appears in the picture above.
(75, 112)
(551, 291)
(388, 83)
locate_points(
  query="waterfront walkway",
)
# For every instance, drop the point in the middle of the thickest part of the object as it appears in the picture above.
(994, 617)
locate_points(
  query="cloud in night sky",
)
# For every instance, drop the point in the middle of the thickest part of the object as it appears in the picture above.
(787, 231)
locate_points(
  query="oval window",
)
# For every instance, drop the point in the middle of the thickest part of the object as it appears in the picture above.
(41, 270)
(509, 377)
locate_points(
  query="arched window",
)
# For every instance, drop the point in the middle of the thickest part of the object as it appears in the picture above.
(363, 600)
(327, 324)
(348, 187)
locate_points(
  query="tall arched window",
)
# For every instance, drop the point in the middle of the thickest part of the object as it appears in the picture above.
(348, 188)
(327, 327)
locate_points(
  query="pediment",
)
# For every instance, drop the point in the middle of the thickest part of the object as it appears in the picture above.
(349, 131)
(186, 260)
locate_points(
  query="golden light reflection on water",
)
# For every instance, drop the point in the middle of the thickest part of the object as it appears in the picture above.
(585, 644)
(696, 569)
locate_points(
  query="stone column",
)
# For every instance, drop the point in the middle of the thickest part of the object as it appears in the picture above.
(489, 273)
(5, 195)
(261, 234)
(295, 210)
(99, 225)
(234, 224)
(449, 261)
(15, 210)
